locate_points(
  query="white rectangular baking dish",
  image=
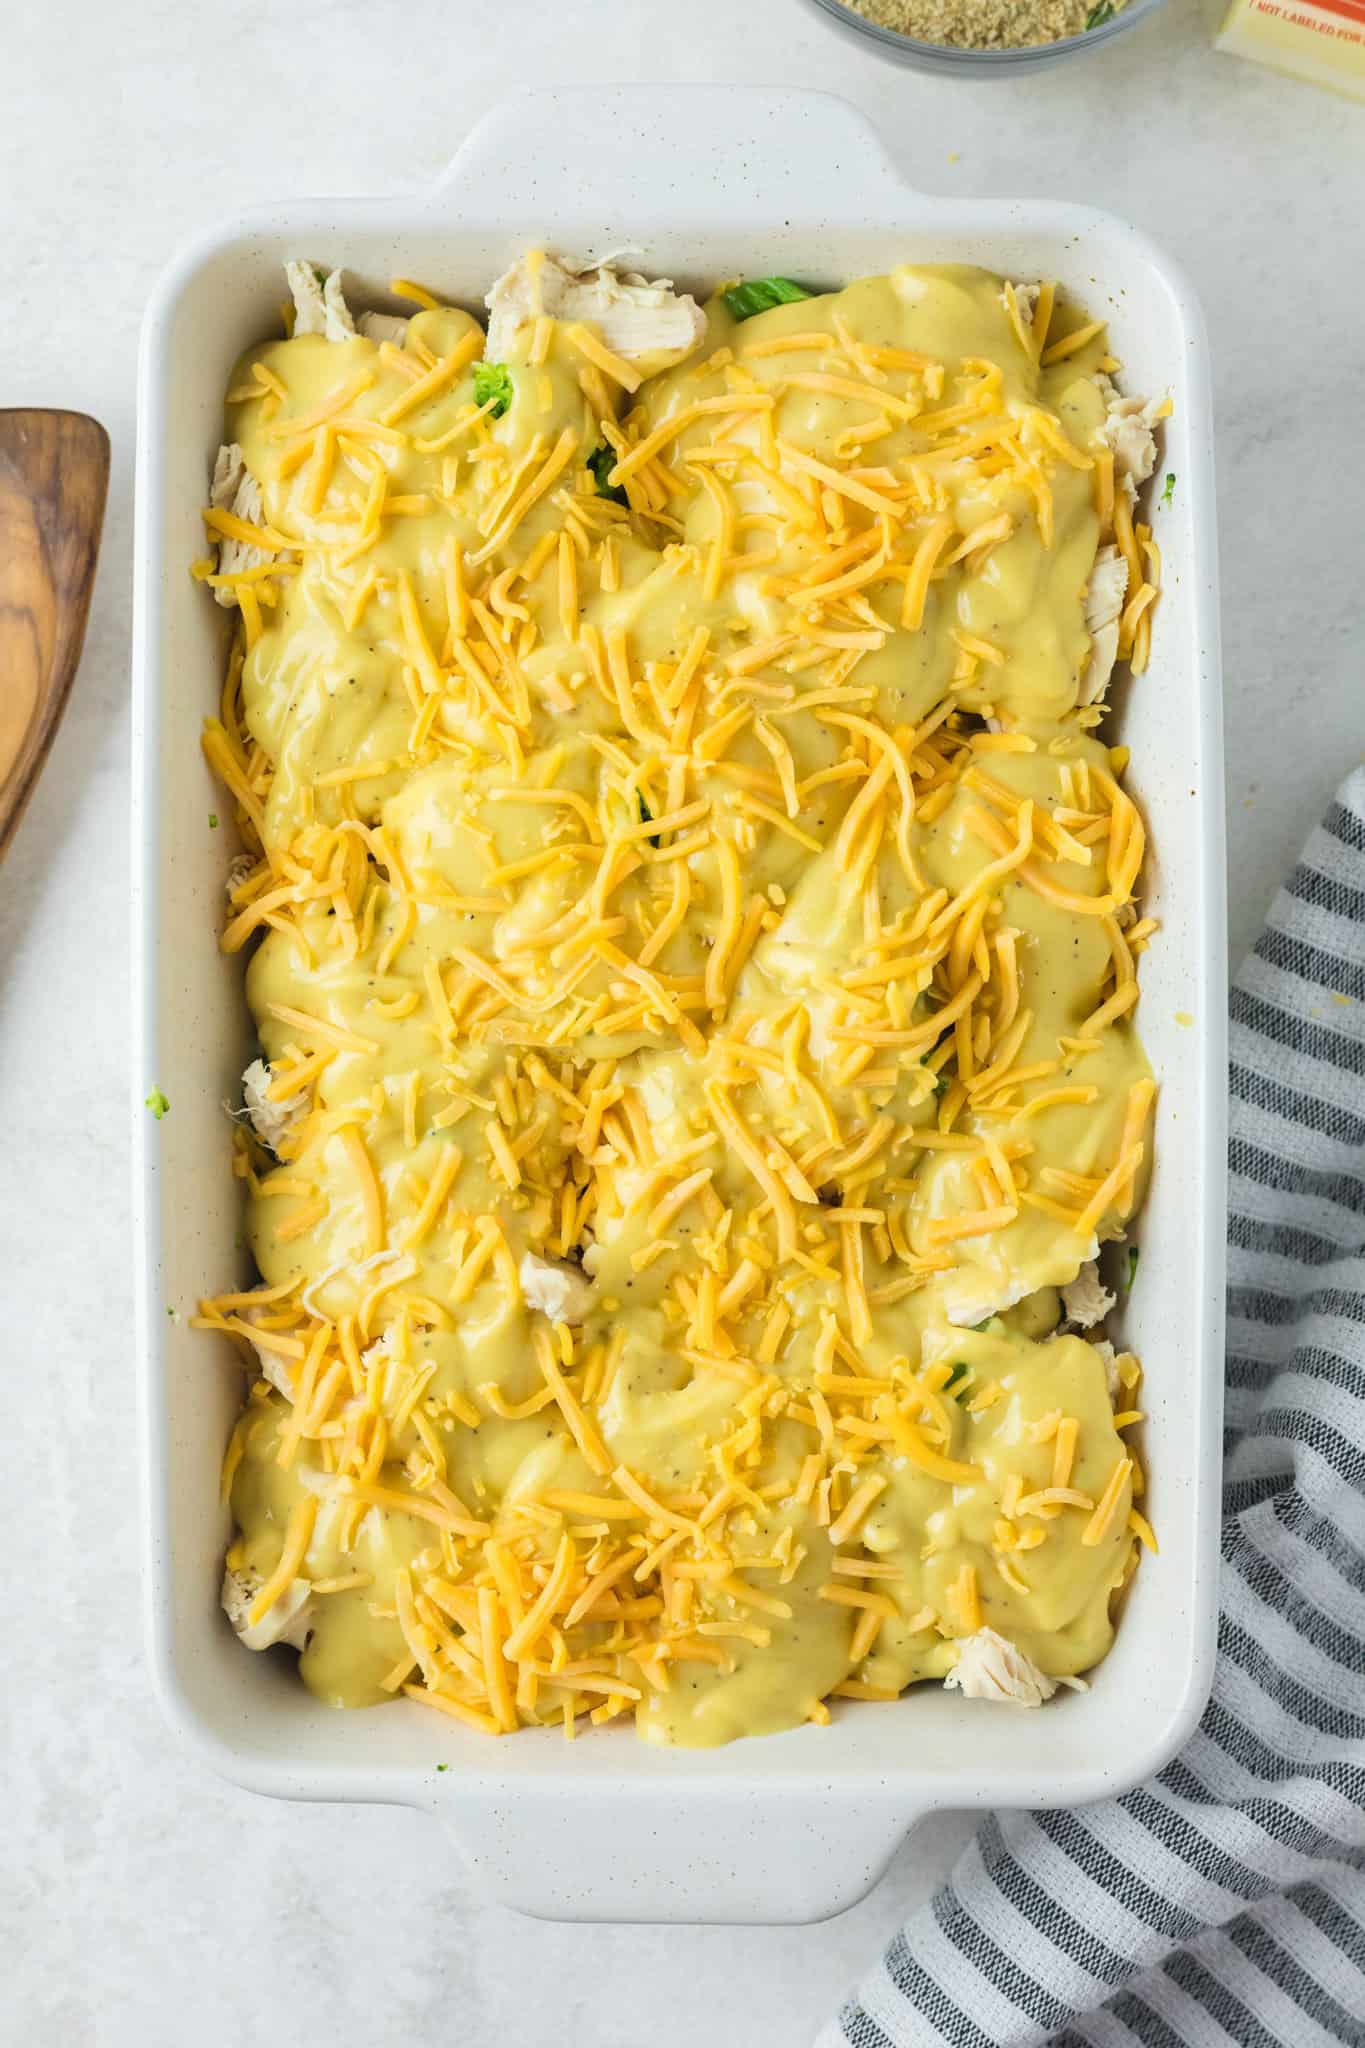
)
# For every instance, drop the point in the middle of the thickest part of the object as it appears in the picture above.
(707, 183)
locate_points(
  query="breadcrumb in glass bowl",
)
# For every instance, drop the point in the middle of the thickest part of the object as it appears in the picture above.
(978, 36)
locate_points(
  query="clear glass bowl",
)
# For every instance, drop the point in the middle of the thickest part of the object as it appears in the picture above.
(980, 63)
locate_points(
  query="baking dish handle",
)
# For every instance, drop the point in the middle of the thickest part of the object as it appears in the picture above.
(607, 144)
(757, 1853)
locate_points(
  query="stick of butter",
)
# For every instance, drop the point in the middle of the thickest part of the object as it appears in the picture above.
(1322, 41)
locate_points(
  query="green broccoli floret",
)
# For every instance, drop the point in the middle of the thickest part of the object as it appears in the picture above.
(493, 380)
(602, 462)
(761, 294)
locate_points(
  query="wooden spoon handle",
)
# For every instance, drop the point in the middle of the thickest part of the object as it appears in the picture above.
(54, 476)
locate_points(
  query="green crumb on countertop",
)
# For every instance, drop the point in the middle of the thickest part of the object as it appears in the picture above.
(213, 821)
(157, 1104)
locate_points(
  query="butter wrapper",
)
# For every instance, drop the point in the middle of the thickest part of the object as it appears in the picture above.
(1322, 41)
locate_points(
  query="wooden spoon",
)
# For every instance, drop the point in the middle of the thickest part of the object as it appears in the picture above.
(54, 475)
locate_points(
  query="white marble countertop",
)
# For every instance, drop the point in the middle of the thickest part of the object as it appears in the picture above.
(140, 1900)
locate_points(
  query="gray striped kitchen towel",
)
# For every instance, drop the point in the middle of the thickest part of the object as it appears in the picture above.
(1224, 1901)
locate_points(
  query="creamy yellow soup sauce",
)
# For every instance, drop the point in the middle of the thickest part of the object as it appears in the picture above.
(691, 936)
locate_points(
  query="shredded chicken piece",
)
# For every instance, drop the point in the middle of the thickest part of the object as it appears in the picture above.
(272, 1366)
(634, 316)
(1086, 1299)
(1026, 299)
(1109, 1359)
(289, 1620)
(1129, 428)
(319, 303)
(275, 1369)
(234, 489)
(238, 868)
(1104, 598)
(383, 327)
(271, 1121)
(990, 1667)
(559, 1291)
(305, 288)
